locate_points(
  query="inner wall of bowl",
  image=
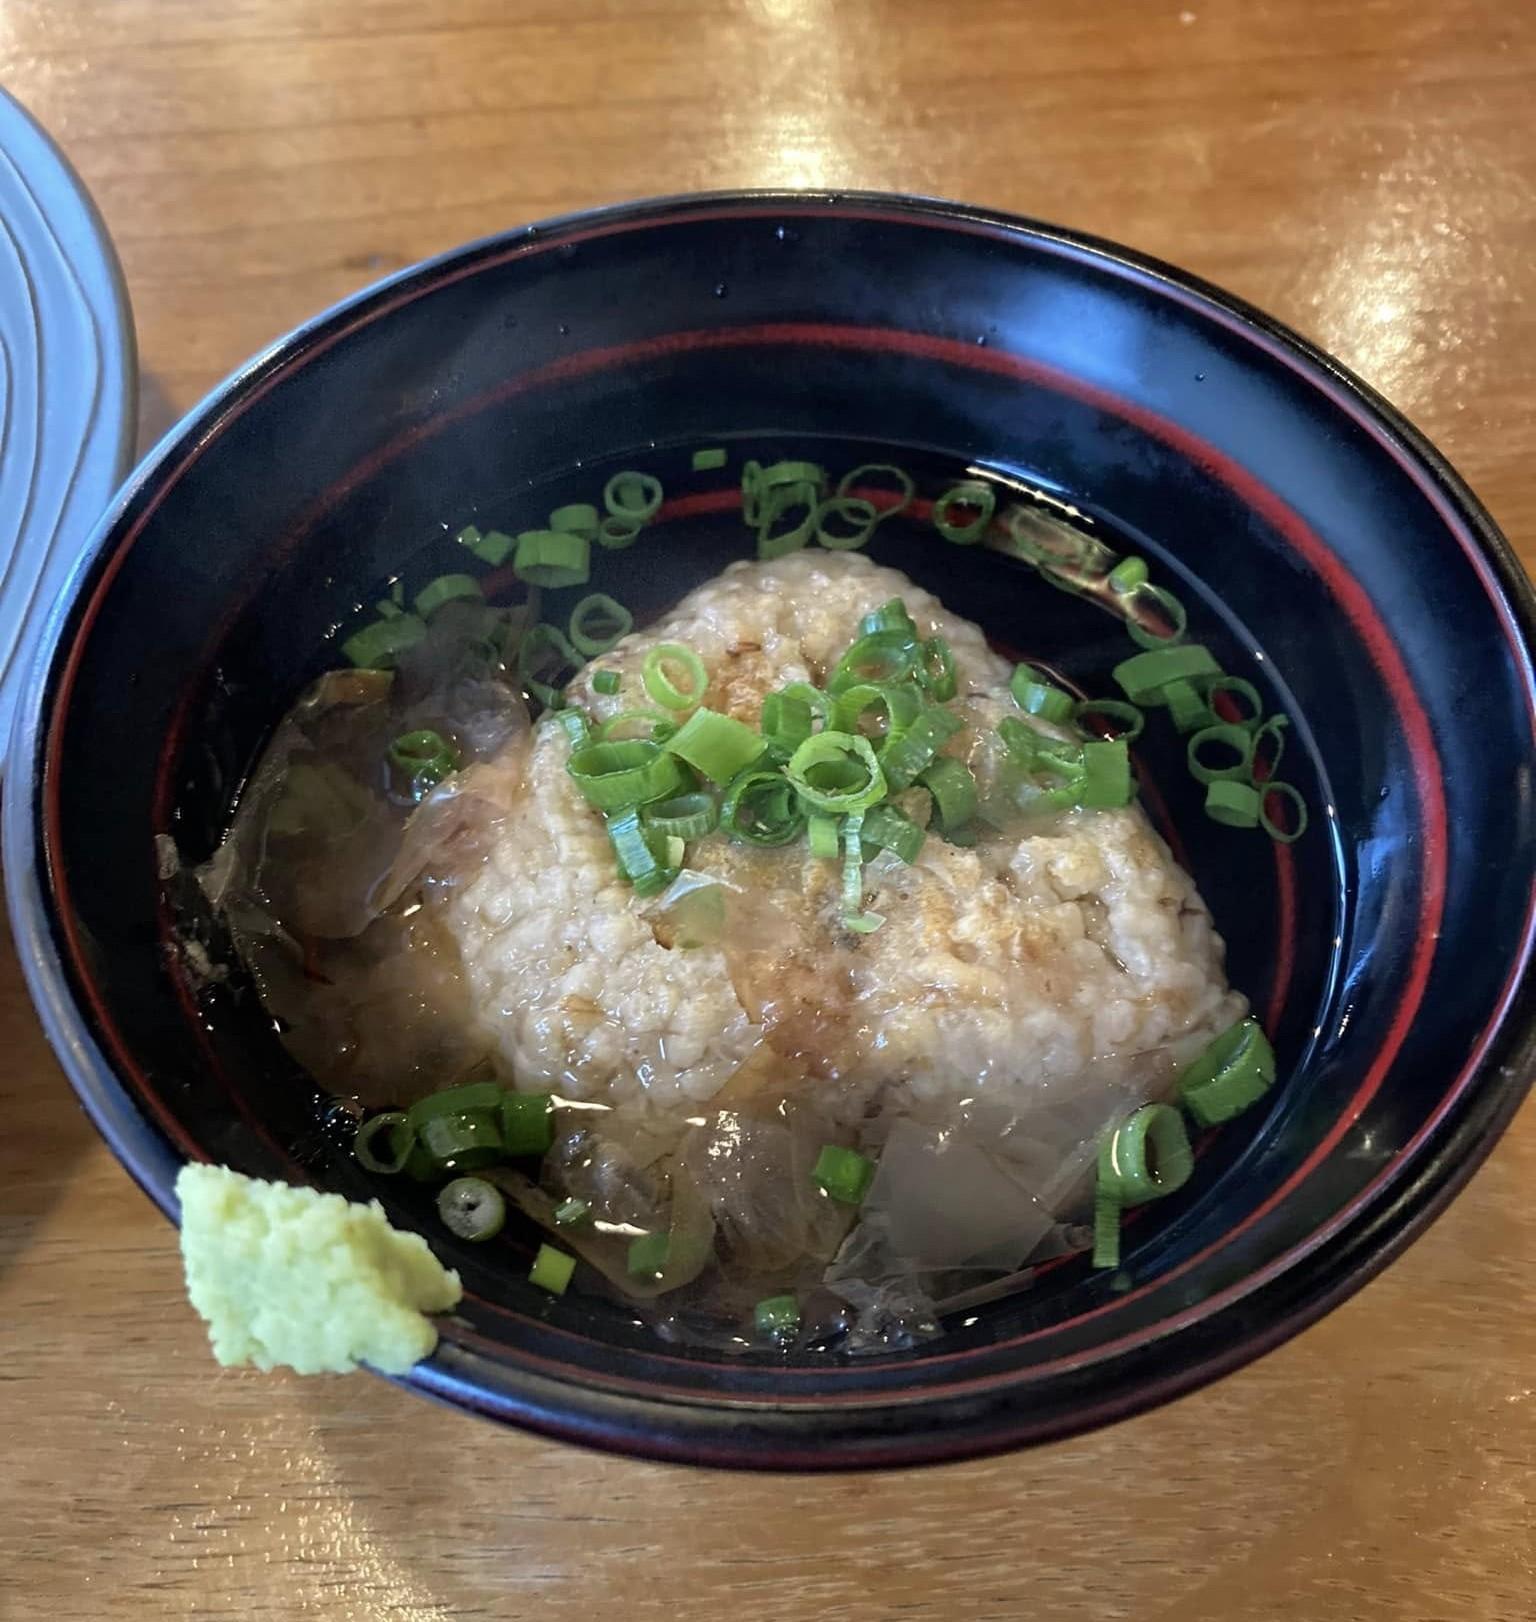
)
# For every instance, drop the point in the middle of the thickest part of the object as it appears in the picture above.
(327, 473)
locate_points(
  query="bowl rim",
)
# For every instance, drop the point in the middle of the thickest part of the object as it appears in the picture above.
(1361, 1238)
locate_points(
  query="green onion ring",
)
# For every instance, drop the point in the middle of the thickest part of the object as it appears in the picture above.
(886, 828)
(543, 639)
(447, 588)
(936, 669)
(1292, 797)
(1236, 687)
(492, 547)
(579, 517)
(846, 754)
(686, 816)
(786, 721)
(773, 506)
(617, 728)
(632, 496)
(553, 1269)
(616, 533)
(1128, 574)
(660, 686)
(968, 493)
(401, 1136)
(905, 756)
(1144, 676)
(952, 786)
(379, 645)
(822, 834)
(854, 916)
(605, 682)
(860, 478)
(900, 702)
(1106, 774)
(1106, 1231)
(625, 773)
(1234, 805)
(1146, 1157)
(1186, 707)
(890, 616)
(820, 702)
(472, 1209)
(1170, 606)
(1236, 1070)
(1265, 766)
(760, 809)
(601, 608)
(1036, 694)
(1223, 735)
(1127, 716)
(854, 510)
(717, 745)
(638, 864)
(573, 723)
(708, 459)
(462, 1142)
(880, 656)
(553, 558)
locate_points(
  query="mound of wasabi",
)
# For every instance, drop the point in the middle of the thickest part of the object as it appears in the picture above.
(292, 1278)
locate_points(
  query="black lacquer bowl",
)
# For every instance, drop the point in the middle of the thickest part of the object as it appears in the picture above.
(1323, 548)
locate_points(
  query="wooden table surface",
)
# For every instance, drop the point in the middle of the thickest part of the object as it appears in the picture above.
(1366, 169)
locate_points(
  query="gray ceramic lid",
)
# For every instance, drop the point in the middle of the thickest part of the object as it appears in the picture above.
(67, 382)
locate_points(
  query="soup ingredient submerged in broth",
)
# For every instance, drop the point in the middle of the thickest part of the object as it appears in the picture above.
(710, 1045)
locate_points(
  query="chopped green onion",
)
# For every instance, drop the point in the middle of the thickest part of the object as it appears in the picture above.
(470, 1095)
(425, 757)
(651, 725)
(792, 475)
(1144, 677)
(552, 1270)
(895, 706)
(1127, 717)
(890, 616)
(1167, 604)
(1146, 1157)
(573, 723)
(617, 533)
(544, 651)
(661, 687)
(967, 496)
(401, 1135)
(1036, 694)
(936, 669)
(853, 511)
(717, 745)
(1236, 687)
(820, 702)
(624, 773)
(752, 493)
(688, 816)
(869, 473)
(776, 1316)
(1106, 1231)
(569, 1212)
(1236, 805)
(1282, 836)
(878, 657)
(905, 757)
(553, 558)
(786, 721)
(577, 517)
(597, 622)
(706, 461)
(1265, 766)
(462, 1142)
(648, 1254)
(1236, 1070)
(492, 547)
(379, 645)
(836, 772)
(632, 496)
(397, 592)
(447, 588)
(774, 505)
(886, 828)
(1186, 707)
(1128, 574)
(822, 834)
(639, 865)
(953, 788)
(1235, 741)
(388, 609)
(527, 1123)
(472, 1208)
(1106, 774)
(842, 1173)
(760, 808)
(854, 916)
(605, 682)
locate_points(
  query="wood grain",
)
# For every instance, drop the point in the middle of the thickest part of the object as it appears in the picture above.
(1364, 168)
